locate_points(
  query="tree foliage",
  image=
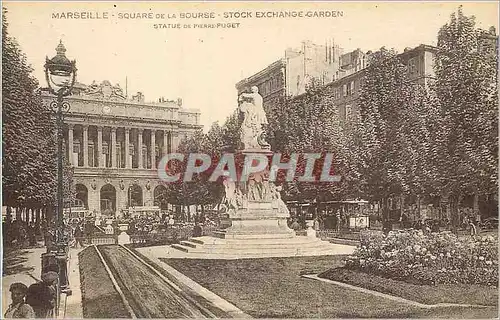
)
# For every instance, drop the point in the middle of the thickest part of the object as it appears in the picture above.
(310, 123)
(215, 142)
(467, 94)
(28, 144)
(396, 127)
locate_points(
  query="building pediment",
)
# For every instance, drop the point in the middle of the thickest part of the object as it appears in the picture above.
(105, 91)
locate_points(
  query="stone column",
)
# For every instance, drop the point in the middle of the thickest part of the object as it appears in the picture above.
(113, 148)
(100, 162)
(85, 145)
(153, 149)
(139, 148)
(127, 146)
(165, 142)
(70, 144)
(175, 140)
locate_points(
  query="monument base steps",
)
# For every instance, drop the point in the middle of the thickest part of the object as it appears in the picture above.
(213, 247)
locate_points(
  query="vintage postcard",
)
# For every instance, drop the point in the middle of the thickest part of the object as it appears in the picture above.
(249, 159)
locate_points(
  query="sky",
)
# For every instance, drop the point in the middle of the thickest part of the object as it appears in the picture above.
(201, 65)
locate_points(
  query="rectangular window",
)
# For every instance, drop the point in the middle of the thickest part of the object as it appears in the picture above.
(412, 67)
(119, 161)
(91, 156)
(342, 110)
(344, 90)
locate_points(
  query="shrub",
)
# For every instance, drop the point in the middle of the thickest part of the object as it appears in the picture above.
(413, 256)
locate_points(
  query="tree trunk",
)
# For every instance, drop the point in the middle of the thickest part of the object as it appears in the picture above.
(385, 209)
(8, 218)
(476, 204)
(37, 219)
(401, 205)
(453, 199)
(18, 213)
(419, 207)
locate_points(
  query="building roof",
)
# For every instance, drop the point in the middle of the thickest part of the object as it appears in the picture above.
(275, 65)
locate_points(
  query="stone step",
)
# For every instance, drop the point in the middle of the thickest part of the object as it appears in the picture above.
(255, 250)
(261, 246)
(181, 247)
(345, 241)
(190, 244)
(255, 235)
(296, 240)
(196, 240)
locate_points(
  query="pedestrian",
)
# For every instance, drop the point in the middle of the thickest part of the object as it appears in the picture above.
(78, 234)
(19, 308)
(197, 231)
(42, 296)
(316, 224)
(295, 225)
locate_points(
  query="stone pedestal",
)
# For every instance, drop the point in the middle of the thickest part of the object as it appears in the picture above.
(258, 223)
(258, 229)
(256, 220)
(123, 238)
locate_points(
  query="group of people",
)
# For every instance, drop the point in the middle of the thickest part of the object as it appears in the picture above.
(20, 233)
(36, 301)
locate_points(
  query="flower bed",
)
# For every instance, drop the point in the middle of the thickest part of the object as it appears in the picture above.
(436, 258)
(427, 294)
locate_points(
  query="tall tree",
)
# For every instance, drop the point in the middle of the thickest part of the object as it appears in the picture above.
(394, 136)
(310, 123)
(466, 92)
(29, 175)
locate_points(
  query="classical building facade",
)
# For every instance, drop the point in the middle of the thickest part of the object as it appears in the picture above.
(114, 144)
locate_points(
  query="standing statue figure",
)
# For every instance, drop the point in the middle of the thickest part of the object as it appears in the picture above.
(282, 208)
(252, 131)
(229, 193)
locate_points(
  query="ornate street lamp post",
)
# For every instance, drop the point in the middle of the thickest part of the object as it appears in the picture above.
(60, 74)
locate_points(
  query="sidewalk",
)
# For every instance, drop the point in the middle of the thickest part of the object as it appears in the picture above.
(24, 265)
(72, 309)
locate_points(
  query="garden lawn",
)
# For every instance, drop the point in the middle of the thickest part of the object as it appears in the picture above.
(99, 297)
(274, 288)
(428, 294)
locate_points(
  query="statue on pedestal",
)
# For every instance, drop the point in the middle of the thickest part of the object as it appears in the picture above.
(252, 129)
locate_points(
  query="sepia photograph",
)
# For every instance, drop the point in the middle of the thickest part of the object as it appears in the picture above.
(238, 159)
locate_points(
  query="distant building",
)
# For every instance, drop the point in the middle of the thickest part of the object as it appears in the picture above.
(291, 74)
(114, 144)
(342, 72)
(488, 41)
(420, 62)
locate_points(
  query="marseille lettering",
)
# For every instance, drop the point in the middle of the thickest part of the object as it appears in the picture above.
(197, 163)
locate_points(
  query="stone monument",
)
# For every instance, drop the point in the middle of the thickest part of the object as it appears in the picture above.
(257, 213)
